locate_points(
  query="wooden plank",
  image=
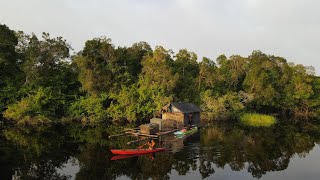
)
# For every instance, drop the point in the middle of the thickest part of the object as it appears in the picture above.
(132, 133)
(130, 129)
(148, 135)
(140, 134)
(136, 141)
(167, 132)
(117, 135)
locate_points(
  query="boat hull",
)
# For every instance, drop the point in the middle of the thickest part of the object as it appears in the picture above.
(135, 151)
(119, 157)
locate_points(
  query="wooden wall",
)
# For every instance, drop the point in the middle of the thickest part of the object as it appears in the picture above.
(173, 120)
(182, 118)
(173, 116)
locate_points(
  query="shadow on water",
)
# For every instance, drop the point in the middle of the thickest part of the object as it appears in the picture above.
(77, 152)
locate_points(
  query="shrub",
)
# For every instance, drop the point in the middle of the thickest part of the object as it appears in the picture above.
(89, 109)
(228, 106)
(37, 108)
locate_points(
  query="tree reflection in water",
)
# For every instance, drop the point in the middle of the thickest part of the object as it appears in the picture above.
(40, 153)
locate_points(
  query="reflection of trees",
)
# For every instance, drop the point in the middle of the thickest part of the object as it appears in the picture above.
(186, 159)
(92, 162)
(206, 168)
(9, 158)
(43, 169)
(264, 150)
(95, 166)
(38, 153)
(143, 167)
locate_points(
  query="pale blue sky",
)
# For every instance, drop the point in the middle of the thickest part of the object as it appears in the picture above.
(288, 28)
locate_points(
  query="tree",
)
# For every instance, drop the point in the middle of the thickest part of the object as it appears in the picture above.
(95, 66)
(262, 80)
(298, 91)
(136, 53)
(186, 66)
(46, 64)
(48, 82)
(207, 75)
(10, 74)
(43, 59)
(231, 72)
(157, 80)
(101, 67)
(154, 89)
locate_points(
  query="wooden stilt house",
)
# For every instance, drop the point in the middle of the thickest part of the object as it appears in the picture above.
(182, 113)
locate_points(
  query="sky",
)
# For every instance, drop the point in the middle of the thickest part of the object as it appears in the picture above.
(286, 28)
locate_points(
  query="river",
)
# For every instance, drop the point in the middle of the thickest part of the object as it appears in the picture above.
(219, 151)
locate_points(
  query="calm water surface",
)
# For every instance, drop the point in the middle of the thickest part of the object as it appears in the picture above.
(221, 151)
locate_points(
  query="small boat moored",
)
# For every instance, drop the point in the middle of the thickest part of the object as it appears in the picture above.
(186, 132)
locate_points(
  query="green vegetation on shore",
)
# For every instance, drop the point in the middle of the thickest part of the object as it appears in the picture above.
(41, 82)
(257, 120)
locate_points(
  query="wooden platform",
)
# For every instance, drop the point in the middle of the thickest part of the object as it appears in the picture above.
(138, 133)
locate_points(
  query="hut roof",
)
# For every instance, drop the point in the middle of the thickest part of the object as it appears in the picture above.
(185, 107)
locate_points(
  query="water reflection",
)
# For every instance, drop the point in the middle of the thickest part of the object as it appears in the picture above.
(221, 150)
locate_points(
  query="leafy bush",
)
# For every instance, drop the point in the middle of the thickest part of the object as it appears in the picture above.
(37, 108)
(125, 104)
(89, 109)
(224, 107)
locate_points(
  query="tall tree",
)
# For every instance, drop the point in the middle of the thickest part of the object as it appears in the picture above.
(231, 72)
(186, 66)
(261, 80)
(136, 53)
(50, 82)
(157, 80)
(10, 74)
(153, 90)
(92, 63)
(298, 91)
(100, 71)
(43, 59)
(207, 74)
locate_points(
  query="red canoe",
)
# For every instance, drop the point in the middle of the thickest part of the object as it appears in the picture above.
(136, 151)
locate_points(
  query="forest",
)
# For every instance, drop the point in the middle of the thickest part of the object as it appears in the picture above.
(43, 81)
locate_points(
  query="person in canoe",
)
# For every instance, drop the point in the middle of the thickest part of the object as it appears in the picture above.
(150, 144)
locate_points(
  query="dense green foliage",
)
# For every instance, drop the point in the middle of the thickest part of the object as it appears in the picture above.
(257, 120)
(41, 82)
(36, 108)
(89, 109)
(10, 74)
